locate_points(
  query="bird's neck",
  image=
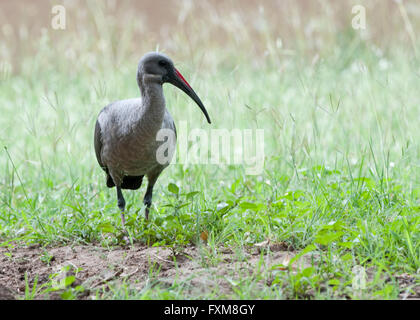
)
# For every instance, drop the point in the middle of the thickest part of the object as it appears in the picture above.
(153, 100)
(153, 104)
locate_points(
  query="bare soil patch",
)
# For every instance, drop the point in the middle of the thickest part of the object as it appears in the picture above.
(199, 269)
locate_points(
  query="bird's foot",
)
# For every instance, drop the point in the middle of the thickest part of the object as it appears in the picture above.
(125, 236)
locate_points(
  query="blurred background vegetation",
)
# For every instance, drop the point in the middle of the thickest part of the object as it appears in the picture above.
(296, 68)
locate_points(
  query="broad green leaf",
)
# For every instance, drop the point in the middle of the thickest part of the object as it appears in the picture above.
(248, 205)
(173, 188)
(307, 272)
(191, 194)
(67, 281)
(348, 245)
(326, 238)
(334, 282)
(106, 227)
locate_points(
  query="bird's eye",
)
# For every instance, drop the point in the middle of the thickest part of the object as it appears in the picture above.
(162, 63)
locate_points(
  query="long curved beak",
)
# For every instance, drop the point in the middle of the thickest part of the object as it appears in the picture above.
(179, 81)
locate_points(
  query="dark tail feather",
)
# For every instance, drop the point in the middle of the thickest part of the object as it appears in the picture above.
(132, 182)
(129, 182)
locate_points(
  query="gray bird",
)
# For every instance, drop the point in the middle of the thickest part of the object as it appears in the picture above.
(126, 142)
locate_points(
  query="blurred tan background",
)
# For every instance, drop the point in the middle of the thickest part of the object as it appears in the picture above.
(131, 27)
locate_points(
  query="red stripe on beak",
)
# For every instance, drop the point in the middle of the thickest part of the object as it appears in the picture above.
(182, 78)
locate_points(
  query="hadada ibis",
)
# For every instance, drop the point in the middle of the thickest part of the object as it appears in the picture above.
(125, 132)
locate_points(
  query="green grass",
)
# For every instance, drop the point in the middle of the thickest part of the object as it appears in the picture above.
(342, 166)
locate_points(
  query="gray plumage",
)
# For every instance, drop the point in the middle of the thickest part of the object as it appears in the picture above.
(125, 131)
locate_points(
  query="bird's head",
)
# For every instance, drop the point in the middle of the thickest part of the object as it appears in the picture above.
(157, 67)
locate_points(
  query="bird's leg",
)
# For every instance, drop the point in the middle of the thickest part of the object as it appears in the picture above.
(151, 177)
(121, 204)
(148, 199)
